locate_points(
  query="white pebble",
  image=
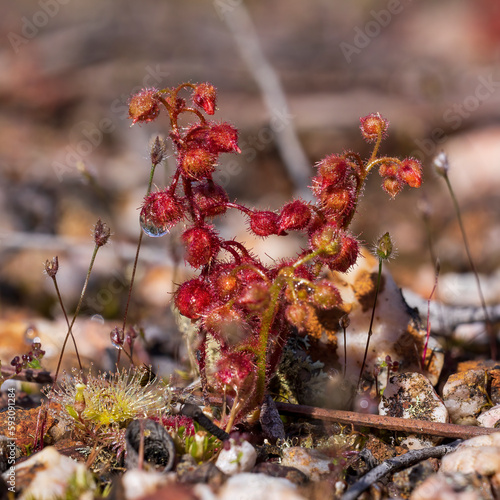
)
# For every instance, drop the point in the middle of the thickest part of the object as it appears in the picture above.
(258, 486)
(464, 396)
(138, 483)
(311, 462)
(468, 460)
(411, 395)
(48, 473)
(490, 417)
(240, 457)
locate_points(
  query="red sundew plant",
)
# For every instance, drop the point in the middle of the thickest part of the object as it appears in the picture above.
(247, 307)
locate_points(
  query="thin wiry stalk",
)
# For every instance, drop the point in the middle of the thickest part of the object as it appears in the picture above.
(134, 268)
(371, 321)
(56, 286)
(82, 294)
(434, 288)
(425, 213)
(488, 323)
(344, 328)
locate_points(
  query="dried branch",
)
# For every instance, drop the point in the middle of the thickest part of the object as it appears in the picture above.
(407, 425)
(397, 463)
(383, 422)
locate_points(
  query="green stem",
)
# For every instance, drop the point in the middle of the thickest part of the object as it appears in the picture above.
(267, 321)
(306, 258)
(375, 161)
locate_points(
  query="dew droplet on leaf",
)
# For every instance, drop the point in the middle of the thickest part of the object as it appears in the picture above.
(152, 229)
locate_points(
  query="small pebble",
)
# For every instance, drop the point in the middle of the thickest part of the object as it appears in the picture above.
(456, 486)
(276, 470)
(471, 472)
(490, 418)
(249, 486)
(484, 460)
(311, 462)
(46, 474)
(240, 457)
(464, 396)
(270, 420)
(480, 441)
(206, 472)
(138, 483)
(411, 395)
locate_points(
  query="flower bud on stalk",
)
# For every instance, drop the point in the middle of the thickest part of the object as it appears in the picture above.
(51, 268)
(384, 247)
(392, 186)
(326, 239)
(373, 126)
(333, 169)
(117, 337)
(101, 233)
(210, 199)
(160, 212)
(144, 106)
(299, 315)
(441, 164)
(326, 295)
(158, 150)
(410, 172)
(205, 96)
(197, 163)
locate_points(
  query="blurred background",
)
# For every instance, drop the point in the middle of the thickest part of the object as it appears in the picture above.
(69, 156)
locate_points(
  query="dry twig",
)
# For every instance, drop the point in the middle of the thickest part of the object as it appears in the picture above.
(383, 422)
(397, 463)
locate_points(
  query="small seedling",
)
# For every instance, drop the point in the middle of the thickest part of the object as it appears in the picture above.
(99, 407)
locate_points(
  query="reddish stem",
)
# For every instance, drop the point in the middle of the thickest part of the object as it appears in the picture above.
(424, 353)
